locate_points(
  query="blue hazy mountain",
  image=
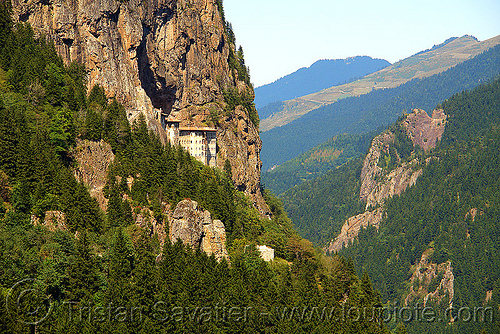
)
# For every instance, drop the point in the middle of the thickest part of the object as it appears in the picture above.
(377, 108)
(320, 75)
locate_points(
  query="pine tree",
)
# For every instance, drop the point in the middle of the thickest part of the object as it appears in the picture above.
(115, 210)
(93, 125)
(121, 265)
(82, 275)
(97, 96)
(5, 26)
(21, 198)
(9, 141)
(228, 169)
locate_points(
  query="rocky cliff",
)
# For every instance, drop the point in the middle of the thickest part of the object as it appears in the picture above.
(431, 281)
(195, 227)
(423, 130)
(379, 182)
(92, 162)
(159, 57)
(352, 226)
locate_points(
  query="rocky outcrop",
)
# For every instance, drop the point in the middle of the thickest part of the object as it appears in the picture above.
(54, 220)
(371, 170)
(195, 227)
(239, 142)
(164, 57)
(145, 219)
(379, 184)
(214, 240)
(431, 281)
(352, 226)
(394, 183)
(423, 130)
(92, 162)
(187, 223)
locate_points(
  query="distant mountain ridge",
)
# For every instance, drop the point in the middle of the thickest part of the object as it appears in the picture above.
(320, 75)
(377, 108)
(423, 64)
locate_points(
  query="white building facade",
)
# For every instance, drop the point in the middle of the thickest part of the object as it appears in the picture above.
(200, 142)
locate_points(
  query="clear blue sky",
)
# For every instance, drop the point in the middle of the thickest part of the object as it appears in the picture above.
(281, 36)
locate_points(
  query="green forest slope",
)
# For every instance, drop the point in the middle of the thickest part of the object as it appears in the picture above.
(104, 274)
(451, 215)
(317, 161)
(453, 212)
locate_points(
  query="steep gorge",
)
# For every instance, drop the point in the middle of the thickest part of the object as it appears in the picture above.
(165, 57)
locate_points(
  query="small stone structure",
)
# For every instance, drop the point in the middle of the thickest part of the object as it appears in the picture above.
(266, 253)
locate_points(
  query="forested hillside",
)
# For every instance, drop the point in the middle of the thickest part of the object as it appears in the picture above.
(319, 207)
(437, 244)
(317, 161)
(378, 108)
(100, 272)
(452, 213)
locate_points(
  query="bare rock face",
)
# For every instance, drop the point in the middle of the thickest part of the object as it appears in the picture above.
(423, 130)
(266, 253)
(146, 220)
(214, 240)
(431, 281)
(93, 160)
(54, 220)
(378, 184)
(196, 228)
(187, 223)
(352, 226)
(239, 142)
(394, 183)
(371, 171)
(157, 57)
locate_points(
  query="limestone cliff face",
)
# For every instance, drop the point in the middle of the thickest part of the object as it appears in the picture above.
(196, 228)
(352, 226)
(157, 57)
(92, 162)
(378, 184)
(431, 281)
(371, 170)
(394, 183)
(423, 130)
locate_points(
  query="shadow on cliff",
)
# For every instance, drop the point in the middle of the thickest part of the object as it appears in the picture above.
(162, 95)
